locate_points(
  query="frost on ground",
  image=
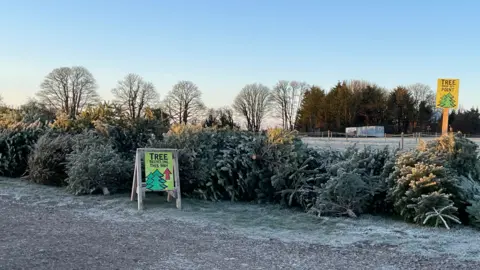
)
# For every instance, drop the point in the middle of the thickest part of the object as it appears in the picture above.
(263, 222)
(391, 142)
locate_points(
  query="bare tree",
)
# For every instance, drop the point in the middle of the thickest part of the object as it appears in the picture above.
(134, 94)
(424, 104)
(221, 118)
(184, 103)
(287, 98)
(358, 85)
(69, 90)
(253, 103)
(1, 100)
(421, 92)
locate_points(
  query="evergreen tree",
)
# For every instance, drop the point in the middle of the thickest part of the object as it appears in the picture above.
(424, 116)
(313, 110)
(401, 109)
(464, 121)
(341, 105)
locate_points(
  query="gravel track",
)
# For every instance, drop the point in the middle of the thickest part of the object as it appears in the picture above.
(43, 228)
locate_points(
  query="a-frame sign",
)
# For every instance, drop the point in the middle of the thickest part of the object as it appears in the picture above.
(160, 174)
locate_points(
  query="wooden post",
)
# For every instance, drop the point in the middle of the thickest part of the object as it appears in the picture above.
(385, 135)
(402, 142)
(134, 182)
(177, 181)
(138, 162)
(445, 122)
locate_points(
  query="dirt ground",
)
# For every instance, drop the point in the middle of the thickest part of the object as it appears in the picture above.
(45, 228)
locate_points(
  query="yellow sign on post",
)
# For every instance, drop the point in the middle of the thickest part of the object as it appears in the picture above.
(159, 173)
(447, 93)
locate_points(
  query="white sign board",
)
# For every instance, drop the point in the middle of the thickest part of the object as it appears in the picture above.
(160, 171)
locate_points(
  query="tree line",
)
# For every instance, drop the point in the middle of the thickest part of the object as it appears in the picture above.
(361, 103)
(300, 106)
(357, 103)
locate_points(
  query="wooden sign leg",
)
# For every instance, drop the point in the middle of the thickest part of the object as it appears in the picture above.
(177, 182)
(138, 162)
(134, 182)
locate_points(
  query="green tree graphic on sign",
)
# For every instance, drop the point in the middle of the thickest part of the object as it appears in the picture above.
(447, 101)
(155, 181)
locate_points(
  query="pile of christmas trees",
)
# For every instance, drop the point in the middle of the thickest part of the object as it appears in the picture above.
(438, 183)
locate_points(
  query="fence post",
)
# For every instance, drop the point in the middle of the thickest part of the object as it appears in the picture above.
(402, 142)
(346, 136)
(385, 136)
(328, 134)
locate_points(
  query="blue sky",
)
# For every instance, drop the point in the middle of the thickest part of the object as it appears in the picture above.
(223, 45)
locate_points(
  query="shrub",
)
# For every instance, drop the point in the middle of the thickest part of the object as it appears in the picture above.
(218, 164)
(15, 147)
(438, 174)
(93, 166)
(295, 169)
(427, 185)
(455, 152)
(46, 164)
(434, 204)
(129, 136)
(416, 180)
(63, 122)
(280, 136)
(474, 212)
(9, 117)
(199, 155)
(277, 167)
(354, 183)
(345, 194)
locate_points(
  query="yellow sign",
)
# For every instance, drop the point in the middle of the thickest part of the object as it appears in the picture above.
(159, 174)
(447, 93)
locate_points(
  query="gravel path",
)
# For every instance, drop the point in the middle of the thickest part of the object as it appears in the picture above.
(38, 232)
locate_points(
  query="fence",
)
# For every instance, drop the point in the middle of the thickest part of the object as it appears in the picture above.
(341, 140)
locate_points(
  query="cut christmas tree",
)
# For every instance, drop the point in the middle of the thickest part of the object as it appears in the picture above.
(155, 181)
(447, 101)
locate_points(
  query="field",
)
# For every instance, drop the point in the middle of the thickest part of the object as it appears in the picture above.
(392, 142)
